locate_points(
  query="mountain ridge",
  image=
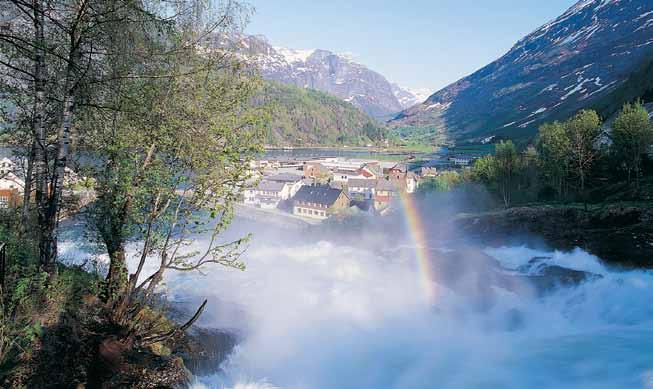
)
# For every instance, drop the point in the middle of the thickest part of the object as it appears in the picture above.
(566, 64)
(329, 72)
(309, 117)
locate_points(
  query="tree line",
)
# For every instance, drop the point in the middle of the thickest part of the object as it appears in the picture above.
(579, 159)
(133, 96)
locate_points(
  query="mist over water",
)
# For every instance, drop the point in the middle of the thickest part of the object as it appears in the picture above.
(332, 315)
(344, 308)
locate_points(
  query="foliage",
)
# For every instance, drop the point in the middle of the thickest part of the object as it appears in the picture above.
(444, 182)
(32, 302)
(572, 161)
(309, 117)
(167, 127)
(554, 151)
(583, 131)
(632, 136)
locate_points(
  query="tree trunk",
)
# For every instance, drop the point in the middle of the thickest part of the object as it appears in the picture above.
(116, 280)
(27, 193)
(46, 249)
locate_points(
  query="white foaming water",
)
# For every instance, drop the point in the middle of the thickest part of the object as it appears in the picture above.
(514, 257)
(325, 315)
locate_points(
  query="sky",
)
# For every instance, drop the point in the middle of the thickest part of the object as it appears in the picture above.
(415, 43)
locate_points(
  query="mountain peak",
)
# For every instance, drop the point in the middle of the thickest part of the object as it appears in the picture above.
(292, 55)
(326, 71)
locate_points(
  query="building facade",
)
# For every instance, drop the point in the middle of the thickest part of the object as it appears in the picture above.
(362, 189)
(319, 202)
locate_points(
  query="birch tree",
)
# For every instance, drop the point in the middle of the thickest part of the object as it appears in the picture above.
(52, 50)
(174, 152)
(554, 154)
(583, 131)
(632, 136)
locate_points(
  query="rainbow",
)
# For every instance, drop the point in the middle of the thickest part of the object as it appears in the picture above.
(417, 234)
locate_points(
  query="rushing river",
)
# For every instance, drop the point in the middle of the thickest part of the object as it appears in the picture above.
(316, 313)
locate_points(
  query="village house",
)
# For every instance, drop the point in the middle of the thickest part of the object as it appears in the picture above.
(268, 194)
(293, 181)
(11, 186)
(461, 160)
(316, 171)
(372, 170)
(385, 192)
(402, 178)
(362, 189)
(7, 166)
(344, 176)
(412, 182)
(428, 172)
(319, 201)
(11, 191)
(264, 164)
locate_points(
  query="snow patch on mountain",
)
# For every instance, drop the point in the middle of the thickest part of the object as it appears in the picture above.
(561, 67)
(292, 55)
(409, 97)
(337, 74)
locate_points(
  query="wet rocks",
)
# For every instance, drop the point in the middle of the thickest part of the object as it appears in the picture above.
(204, 349)
(618, 235)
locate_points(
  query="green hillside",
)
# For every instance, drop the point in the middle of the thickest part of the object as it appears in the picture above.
(308, 117)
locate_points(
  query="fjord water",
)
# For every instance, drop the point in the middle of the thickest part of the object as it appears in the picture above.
(331, 314)
(351, 312)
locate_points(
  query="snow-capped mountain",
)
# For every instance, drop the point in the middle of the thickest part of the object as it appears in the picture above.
(326, 71)
(408, 97)
(567, 64)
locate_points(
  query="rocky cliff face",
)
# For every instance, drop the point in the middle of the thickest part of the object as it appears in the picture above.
(567, 64)
(325, 71)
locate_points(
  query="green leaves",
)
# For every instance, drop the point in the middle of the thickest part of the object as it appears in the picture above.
(632, 136)
(308, 117)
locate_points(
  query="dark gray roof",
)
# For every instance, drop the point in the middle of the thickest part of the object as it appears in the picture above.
(272, 186)
(284, 177)
(318, 194)
(386, 184)
(361, 183)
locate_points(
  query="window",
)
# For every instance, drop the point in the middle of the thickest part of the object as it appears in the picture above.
(4, 202)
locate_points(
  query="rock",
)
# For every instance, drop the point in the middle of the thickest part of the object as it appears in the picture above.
(551, 277)
(204, 349)
(630, 230)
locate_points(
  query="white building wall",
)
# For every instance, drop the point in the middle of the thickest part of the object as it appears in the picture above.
(319, 214)
(11, 181)
(367, 193)
(411, 185)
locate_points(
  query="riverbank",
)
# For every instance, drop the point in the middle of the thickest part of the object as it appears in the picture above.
(620, 234)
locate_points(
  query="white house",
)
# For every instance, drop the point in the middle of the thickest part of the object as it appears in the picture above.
(11, 190)
(361, 188)
(272, 190)
(412, 182)
(344, 176)
(461, 160)
(293, 181)
(7, 166)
